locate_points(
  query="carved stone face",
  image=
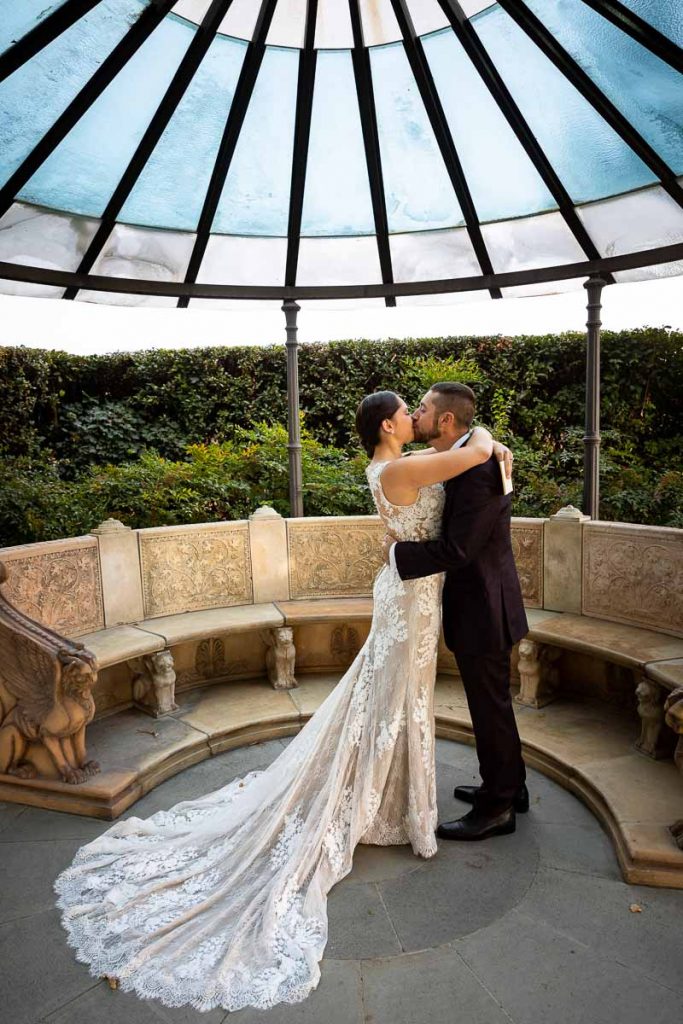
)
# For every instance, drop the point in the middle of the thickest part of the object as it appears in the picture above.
(286, 634)
(163, 661)
(78, 677)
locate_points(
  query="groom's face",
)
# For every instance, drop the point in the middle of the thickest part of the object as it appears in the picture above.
(425, 420)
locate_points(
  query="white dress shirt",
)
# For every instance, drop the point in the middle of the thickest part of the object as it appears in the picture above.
(458, 444)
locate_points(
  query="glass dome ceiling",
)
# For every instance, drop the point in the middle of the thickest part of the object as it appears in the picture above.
(165, 153)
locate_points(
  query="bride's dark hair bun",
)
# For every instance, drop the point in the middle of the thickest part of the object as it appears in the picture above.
(372, 411)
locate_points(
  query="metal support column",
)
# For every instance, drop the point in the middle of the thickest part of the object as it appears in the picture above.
(296, 502)
(591, 457)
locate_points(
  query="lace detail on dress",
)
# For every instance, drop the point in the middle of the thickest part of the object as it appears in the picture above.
(222, 901)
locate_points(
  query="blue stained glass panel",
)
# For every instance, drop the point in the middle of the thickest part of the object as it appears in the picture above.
(337, 196)
(171, 189)
(36, 94)
(645, 89)
(590, 158)
(86, 167)
(418, 191)
(665, 15)
(502, 179)
(255, 199)
(18, 18)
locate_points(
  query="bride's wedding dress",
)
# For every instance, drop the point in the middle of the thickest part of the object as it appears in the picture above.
(222, 901)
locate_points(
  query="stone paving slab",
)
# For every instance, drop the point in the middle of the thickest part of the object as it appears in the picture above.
(39, 973)
(532, 927)
(595, 911)
(433, 987)
(540, 974)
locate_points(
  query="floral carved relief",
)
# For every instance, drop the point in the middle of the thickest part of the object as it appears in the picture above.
(527, 547)
(333, 561)
(199, 569)
(634, 576)
(59, 589)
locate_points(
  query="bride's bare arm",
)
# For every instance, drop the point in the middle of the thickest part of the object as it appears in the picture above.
(420, 451)
(406, 475)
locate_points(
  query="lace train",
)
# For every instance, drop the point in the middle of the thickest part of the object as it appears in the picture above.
(222, 900)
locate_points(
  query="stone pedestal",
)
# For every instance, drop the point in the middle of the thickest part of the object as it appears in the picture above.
(120, 568)
(563, 534)
(268, 546)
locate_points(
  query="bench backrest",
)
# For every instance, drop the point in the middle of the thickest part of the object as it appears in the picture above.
(622, 572)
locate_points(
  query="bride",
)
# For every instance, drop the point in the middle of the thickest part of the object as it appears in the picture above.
(222, 900)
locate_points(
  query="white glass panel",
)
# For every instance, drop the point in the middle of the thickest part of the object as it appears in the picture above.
(29, 291)
(234, 259)
(145, 254)
(654, 273)
(255, 199)
(502, 179)
(419, 193)
(644, 220)
(589, 157)
(433, 255)
(528, 291)
(126, 299)
(330, 261)
(193, 10)
(39, 238)
(379, 22)
(37, 93)
(542, 241)
(17, 17)
(240, 19)
(170, 191)
(427, 16)
(337, 196)
(289, 24)
(333, 26)
(86, 167)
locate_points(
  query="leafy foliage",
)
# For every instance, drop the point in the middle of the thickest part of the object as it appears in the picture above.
(157, 437)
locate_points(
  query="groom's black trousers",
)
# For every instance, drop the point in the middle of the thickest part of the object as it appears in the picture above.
(486, 678)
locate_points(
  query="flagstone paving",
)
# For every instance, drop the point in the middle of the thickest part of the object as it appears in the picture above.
(532, 927)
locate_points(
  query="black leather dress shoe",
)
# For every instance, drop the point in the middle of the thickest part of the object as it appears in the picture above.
(468, 794)
(475, 826)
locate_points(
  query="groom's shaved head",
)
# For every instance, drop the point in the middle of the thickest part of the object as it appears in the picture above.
(451, 396)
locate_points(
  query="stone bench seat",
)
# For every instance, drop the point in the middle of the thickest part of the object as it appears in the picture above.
(326, 609)
(631, 646)
(122, 643)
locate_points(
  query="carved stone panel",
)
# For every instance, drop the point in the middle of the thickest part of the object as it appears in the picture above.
(195, 568)
(58, 586)
(334, 558)
(527, 547)
(634, 574)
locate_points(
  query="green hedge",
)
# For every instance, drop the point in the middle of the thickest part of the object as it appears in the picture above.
(178, 436)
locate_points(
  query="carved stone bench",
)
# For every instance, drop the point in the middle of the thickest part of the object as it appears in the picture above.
(172, 612)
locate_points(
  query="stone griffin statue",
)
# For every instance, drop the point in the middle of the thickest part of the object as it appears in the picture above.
(280, 657)
(46, 698)
(154, 684)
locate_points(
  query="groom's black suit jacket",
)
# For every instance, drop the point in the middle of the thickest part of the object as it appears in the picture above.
(483, 611)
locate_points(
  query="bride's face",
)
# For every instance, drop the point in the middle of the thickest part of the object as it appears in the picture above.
(402, 424)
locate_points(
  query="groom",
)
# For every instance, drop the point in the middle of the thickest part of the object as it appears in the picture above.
(483, 613)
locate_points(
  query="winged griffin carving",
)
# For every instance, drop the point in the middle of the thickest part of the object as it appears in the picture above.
(45, 696)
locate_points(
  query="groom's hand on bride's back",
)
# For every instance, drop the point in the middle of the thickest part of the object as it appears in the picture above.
(503, 454)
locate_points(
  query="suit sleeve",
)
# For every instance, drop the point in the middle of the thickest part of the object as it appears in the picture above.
(466, 534)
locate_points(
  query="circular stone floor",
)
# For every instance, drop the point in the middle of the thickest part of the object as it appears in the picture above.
(533, 927)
